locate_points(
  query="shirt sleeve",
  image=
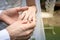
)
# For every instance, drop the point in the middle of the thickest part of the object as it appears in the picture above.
(4, 35)
(1, 12)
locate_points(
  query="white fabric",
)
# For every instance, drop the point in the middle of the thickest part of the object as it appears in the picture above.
(1, 12)
(4, 35)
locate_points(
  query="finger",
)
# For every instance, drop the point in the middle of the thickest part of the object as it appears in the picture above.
(21, 16)
(22, 9)
(18, 9)
(34, 18)
(30, 18)
(33, 22)
(27, 15)
(29, 26)
(7, 19)
(25, 34)
(29, 34)
(24, 22)
(14, 10)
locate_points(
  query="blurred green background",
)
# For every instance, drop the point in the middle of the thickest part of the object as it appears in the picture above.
(52, 32)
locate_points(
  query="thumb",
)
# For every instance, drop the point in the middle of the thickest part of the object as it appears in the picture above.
(14, 10)
(18, 9)
(7, 19)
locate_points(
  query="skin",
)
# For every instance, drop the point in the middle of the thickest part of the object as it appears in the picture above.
(11, 14)
(20, 26)
(20, 30)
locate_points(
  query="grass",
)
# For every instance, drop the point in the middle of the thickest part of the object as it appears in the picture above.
(51, 36)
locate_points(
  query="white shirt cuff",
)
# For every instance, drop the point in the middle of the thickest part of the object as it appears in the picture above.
(4, 35)
(1, 12)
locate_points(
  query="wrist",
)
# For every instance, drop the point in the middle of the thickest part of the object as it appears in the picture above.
(33, 8)
(12, 30)
(10, 34)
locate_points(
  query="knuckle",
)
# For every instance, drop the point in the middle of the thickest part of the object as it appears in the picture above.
(34, 24)
(27, 33)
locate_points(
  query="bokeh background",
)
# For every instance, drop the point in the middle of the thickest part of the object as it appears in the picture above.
(51, 24)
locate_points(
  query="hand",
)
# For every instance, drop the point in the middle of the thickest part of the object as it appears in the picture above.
(29, 14)
(21, 30)
(11, 15)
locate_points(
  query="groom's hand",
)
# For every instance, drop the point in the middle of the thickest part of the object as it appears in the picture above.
(11, 15)
(21, 31)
